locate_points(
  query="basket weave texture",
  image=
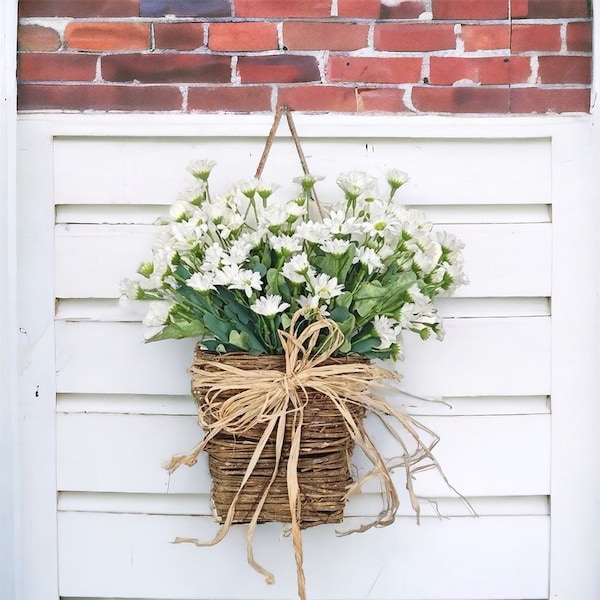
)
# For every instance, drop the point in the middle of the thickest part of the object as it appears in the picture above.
(324, 463)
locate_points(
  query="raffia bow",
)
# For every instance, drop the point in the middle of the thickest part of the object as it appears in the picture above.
(274, 399)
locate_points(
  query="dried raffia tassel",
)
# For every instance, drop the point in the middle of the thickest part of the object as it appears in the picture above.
(276, 401)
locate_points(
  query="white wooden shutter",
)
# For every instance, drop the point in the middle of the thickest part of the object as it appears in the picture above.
(103, 411)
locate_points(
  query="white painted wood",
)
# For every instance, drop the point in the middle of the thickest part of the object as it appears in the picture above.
(113, 358)
(131, 555)
(507, 352)
(142, 172)
(120, 214)
(359, 505)
(112, 309)
(36, 368)
(121, 453)
(575, 357)
(10, 531)
(503, 260)
(139, 404)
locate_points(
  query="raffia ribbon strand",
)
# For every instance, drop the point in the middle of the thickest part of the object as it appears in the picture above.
(275, 400)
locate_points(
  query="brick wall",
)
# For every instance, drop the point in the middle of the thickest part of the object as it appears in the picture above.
(395, 56)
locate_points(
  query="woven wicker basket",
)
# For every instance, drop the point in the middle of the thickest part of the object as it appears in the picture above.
(324, 471)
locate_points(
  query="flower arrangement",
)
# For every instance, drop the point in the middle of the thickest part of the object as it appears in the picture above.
(233, 269)
(291, 301)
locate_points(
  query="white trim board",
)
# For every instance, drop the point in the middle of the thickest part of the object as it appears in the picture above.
(10, 566)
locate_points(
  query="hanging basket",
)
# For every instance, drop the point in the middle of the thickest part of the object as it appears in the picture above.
(280, 430)
(323, 465)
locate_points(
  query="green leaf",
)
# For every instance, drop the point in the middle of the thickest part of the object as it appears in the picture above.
(279, 285)
(339, 314)
(285, 321)
(365, 346)
(258, 267)
(218, 327)
(327, 264)
(345, 348)
(344, 299)
(179, 331)
(345, 320)
(395, 291)
(346, 263)
(390, 274)
(238, 313)
(239, 339)
(368, 298)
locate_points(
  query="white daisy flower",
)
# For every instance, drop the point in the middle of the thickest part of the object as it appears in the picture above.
(202, 282)
(213, 258)
(272, 217)
(238, 253)
(369, 258)
(325, 287)
(285, 244)
(156, 317)
(264, 190)
(129, 289)
(201, 168)
(336, 247)
(356, 183)
(387, 330)
(307, 181)
(337, 223)
(248, 281)
(248, 187)
(193, 194)
(228, 275)
(312, 232)
(269, 305)
(312, 307)
(396, 178)
(297, 268)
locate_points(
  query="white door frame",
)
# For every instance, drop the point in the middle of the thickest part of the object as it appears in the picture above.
(9, 498)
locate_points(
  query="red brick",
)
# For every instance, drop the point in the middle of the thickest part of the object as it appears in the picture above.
(79, 8)
(492, 70)
(56, 67)
(35, 37)
(579, 37)
(558, 9)
(359, 9)
(406, 9)
(539, 100)
(252, 35)
(302, 35)
(242, 99)
(390, 100)
(316, 98)
(374, 70)
(99, 97)
(519, 9)
(527, 38)
(178, 36)
(461, 99)
(564, 69)
(94, 36)
(470, 9)
(287, 68)
(206, 9)
(414, 37)
(163, 68)
(485, 37)
(282, 8)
